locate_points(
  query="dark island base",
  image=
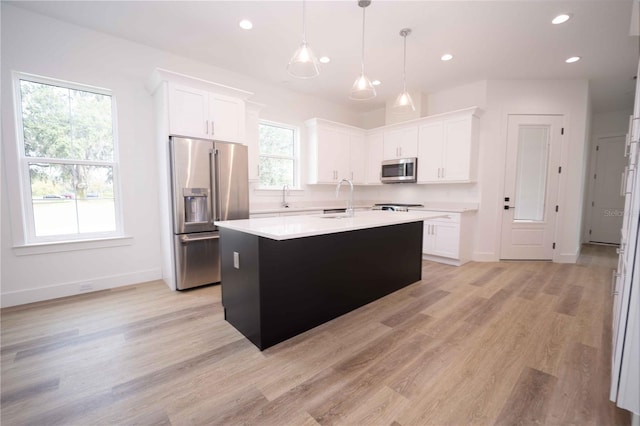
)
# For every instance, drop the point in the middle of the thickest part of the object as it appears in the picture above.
(283, 288)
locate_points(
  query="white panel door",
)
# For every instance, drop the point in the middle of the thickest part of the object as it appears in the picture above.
(531, 187)
(608, 201)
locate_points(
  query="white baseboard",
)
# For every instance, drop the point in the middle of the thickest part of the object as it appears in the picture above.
(566, 258)
(445, 260)
(484, 257)
(39, 294)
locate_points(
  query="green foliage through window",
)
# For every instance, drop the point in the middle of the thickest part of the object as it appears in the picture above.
(69, 155)
(278, 156)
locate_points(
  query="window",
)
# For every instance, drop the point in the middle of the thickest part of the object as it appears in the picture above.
(68, 164)
(278, 156)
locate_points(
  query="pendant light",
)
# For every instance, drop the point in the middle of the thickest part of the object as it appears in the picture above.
(303, 63)
(403, 102)
(362, 88)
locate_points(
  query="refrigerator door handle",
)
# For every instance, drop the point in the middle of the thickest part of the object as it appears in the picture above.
(215, 186)
(185, 239)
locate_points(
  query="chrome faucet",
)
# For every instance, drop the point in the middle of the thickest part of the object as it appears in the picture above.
(284, 196)
(350, 206)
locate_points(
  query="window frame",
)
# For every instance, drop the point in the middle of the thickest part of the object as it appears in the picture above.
(23, 161)
(297, 185)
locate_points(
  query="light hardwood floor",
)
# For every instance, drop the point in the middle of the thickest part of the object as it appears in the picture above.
(485, 343)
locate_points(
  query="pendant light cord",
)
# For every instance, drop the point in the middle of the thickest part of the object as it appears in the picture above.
(363, 9)
(404, 66)
(304, 24)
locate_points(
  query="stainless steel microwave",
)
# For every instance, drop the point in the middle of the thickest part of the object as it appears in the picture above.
(402, 170)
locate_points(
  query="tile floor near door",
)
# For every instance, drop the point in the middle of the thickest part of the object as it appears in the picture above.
(485, 343)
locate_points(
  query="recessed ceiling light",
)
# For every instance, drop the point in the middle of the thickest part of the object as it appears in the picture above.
(325, 60)
(245, 24)
(560, 19)
(376, 82)
(446, 57)
(572, 59)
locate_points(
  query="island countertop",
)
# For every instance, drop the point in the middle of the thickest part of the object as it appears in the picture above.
(290, 227)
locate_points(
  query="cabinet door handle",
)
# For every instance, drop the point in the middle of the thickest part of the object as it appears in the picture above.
(206, 127)
(400, 150)
(443, 172)
(212, 128)
(438, 172)
(351, 175)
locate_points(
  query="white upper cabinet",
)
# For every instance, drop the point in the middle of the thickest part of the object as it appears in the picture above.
(375, 146)
(188, 111)
(198, 108)
(252, 139)
(447, 147)
(401, 142)
(227, 115)
(430, 149)
(336, 151)
(357, 156)
(199, 113)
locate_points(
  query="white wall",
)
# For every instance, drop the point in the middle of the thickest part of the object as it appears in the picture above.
(601, 125)
(40, 45)
(610, 123)
(569, 98)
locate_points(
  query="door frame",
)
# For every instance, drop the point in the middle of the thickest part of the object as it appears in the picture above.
(591, 187)
(564, 146)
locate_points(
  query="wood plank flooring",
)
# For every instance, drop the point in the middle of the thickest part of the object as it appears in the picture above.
(485, 343)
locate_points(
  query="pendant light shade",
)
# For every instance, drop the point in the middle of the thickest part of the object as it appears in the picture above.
(362, 88)
(403, 102)
(303, 63)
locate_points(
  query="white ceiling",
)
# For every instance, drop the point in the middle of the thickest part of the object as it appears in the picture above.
(490, 40)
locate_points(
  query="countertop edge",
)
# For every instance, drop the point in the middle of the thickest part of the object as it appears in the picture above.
(396, 219)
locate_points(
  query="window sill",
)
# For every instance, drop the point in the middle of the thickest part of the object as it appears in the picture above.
(61, 246)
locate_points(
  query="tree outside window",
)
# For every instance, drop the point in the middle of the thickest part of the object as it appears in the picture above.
(278, 156)
(68, 160)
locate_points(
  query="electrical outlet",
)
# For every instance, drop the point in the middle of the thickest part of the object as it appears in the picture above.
(86, 287)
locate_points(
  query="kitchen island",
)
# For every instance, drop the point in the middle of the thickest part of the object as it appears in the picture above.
(282, 276)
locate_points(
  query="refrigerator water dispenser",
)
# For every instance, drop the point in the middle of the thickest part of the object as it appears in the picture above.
(195, 205)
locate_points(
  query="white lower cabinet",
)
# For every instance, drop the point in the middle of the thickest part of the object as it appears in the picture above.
(446, 239)
(441, 239)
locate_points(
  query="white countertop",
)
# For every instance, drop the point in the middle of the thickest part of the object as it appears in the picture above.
(289, 227)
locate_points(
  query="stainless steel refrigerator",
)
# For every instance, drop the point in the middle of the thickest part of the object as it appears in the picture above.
(209, 182)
